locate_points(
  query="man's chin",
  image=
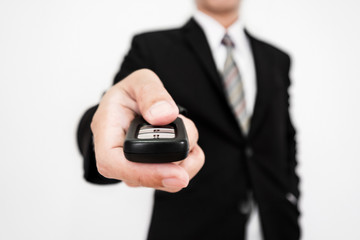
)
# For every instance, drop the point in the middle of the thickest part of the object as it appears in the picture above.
(225, 10)
(222, 9)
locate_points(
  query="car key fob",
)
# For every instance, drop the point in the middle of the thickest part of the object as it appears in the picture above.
(146, 143)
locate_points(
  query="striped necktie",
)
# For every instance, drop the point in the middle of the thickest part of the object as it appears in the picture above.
(234, 87)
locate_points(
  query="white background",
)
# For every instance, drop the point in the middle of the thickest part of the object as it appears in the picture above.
(57, 57)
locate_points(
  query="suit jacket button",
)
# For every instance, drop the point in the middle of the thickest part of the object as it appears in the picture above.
(249, 152)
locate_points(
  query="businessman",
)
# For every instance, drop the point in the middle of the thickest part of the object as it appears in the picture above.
(235, 90)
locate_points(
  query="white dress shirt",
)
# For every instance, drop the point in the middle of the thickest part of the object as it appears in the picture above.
(242, 52)
(243, 57)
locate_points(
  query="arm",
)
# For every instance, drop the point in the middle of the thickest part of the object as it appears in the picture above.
(86, 147)
(141, 93)
(135, 59)
(135, 92)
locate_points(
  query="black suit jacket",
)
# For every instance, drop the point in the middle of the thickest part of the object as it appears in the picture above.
(211, 207)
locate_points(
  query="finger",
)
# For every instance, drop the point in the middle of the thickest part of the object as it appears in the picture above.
(113, 164)
(140, 90)
(194, 162)
(154, 102)
(131, 184)
(108, 127)
(191, 130)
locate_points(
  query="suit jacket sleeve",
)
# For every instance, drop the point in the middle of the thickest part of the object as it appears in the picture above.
(134, 60)
(291, 139)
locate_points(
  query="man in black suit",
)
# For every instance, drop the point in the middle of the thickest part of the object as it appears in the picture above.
(235, 90)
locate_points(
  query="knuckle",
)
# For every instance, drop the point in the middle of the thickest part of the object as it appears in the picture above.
(149, 73)
(193, 128)
(93, 126)
(200, 155)
(93, 122)
(146, 75)
(130, 184)
(196, 132)
(103, 169)
(102, 165)
(202, 162)
(141, 180)
(146, 179)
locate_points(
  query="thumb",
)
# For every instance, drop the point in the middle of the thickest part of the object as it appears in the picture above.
(154, 102)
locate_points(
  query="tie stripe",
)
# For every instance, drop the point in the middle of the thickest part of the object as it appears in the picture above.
(233, 73)
(234, 86)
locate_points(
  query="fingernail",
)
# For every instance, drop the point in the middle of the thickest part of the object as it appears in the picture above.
(174, 183)
(160, 108)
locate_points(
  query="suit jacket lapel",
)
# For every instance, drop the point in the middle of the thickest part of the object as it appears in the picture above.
(264, 75)
(196, 39)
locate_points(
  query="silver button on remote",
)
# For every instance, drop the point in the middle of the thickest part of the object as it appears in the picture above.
(151, 132)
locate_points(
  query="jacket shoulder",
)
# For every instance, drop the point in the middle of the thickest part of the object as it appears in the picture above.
(270, 48)
(159, 36)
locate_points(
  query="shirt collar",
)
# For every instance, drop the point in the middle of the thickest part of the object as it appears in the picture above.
(215, 32)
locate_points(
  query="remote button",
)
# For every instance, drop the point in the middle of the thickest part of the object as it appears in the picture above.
(152, 129)
(156, 135)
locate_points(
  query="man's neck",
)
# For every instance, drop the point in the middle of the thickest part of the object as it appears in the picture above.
(226, 19)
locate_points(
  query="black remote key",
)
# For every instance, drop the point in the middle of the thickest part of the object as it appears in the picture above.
(146, 143)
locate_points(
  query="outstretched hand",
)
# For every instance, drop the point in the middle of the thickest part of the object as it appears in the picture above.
(141, 93)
